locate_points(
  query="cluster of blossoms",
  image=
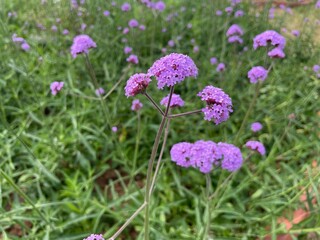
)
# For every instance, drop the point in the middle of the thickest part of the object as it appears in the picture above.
(256, 74)
(256, 126)
(220, 66)
(176, 101)
(219, 104)
(136, 105)
(159, 5)
(56, 87)
(256, 146)
(204, 155)
(234, 34)
(316, 69)
(82, 44)
(23, 43)
(126, 7)
(271, 37)
(95, 237)
(136, 84)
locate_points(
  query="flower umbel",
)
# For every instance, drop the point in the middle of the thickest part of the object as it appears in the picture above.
(136, 84)
(256, 146)
(82, 44)
(176, 101)
(232, 157)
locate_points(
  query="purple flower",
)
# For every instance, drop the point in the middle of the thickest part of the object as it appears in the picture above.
(114, 129)
(239, 13)
(176, 101)
(172, 69)
(235, 2)
(136, 84)
(232, 157)
(17, 39)
(142, 27)
(126, 30)
(25, 46)
(276, 53)
(65, 32)
(316, 68)
(218, 12)
(94, 237)
(221, 67)
(219, 104)
(256, 146)
(204, 154)
(234, 30)
(181, 154)
(136, 105)
(133, 59)
(126, 7)
(160, 6)
(100, 91)
(106, 13)
(83, 26)
(196, 49)
(56, 87)
(127, 50)
(163, 50)
(257, 74)
(295, 33)
(234, 39)
(256, 126)
(228, 10)
(54, 28)
(318, 4)
(82, 44)
(171, 43)
(213, 61)
(269, 36)
(133, 23)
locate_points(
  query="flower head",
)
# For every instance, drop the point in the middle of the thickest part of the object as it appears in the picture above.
(126, 7)
(295, 33)
(82, 44)
(181, 154)
(136, 84)
(133, 23)
(204, 154)
(56, 87)
(256, 126)
(219, 104)
(106, 13)
(257, 74)
(100, 91)
(114, 129)
(25, 46)
(269, 36)
(256, 146)
(127, 50)
(316, 68)
(65, 32)
(213, 61)
(276, 53)
(160, 6)
(221, 67)
(234, 30)
(234, 39)
(172, 69)
(95, 237)
(133, 59)
(232, 157)
(238, 13)
(136, 105)
(176, 101)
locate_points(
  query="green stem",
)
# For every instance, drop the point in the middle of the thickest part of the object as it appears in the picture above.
(208, 210)
(154, 103)
(185, 113)
(137, 143)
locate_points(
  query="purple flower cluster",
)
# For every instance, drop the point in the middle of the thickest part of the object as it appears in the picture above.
(82, 44)
(256, 126)
(133, 59)
(219, 104)
(56, 87)
(256, 146)
(100, 91)
(318, 4)
(234, 34)
(133, 23)
(176, 101)
(136, 84)
(127, 50)
(172, 69)
(204, 155)
(221, 67)
(126, 7)
(95, 237)
(159, 6)
(273, 38)
(257, 74)
(24, 45)
(136, 105)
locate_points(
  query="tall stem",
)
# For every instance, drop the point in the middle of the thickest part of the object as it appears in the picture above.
(150, 166)
(154, 103)
(137, 143)
(185, 113)
(208, 211)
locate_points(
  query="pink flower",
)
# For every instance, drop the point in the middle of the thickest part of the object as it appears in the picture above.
(133, 59)
(56, 87)
(136, 105)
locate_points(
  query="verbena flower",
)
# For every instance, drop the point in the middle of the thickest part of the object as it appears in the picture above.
(256, 126)
(17, 39)
(176, 101)
(219, 104)
(126, 30)
(234, 39)
(238, 13)
(56, 87)
(218, 12)
(126, 7)
(318, 4)
(232, 157)
(213, 61)
(142, 27)
(257, 74)
(181, 154)
(276, 53)
(133, 23)
(234, 30)
(171, 43)
(95, 237)
(269, 37)
(228, 10)
(160, 6)
(82, 44)
(204, 154)
(221, 67)
(136, 105)
(106, 13)
(100, 91)
(127, 50)
(295, 33)
(25, 46)
(172, 69)
(136, 84)
(65, 32)
(114, 129)
(256, 146)
(133, 59)
(316, 68)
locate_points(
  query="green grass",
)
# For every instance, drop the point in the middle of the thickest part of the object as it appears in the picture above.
(59, 161)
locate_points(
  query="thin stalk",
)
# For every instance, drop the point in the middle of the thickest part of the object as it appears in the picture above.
(185, 113)
(252, 104)
(137, 142)
(208, 211)
(150, 167)
(154, 103)
(95, 83)
(129, 220)
(166, 133)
